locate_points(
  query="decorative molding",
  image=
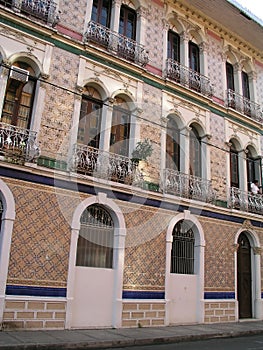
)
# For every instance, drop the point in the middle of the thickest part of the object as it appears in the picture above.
(257, 250)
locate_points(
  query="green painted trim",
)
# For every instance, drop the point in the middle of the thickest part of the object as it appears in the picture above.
(127, 71)
(52, 163)
(221, 203)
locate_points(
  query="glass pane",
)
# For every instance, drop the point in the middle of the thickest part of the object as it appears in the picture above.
(173, 46)
(89, 122)
(182, 254)
(96, 238)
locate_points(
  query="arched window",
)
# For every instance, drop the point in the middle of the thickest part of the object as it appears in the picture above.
(182, 254)
(194, 57)
(90, 118)
(234, 167)
(19, 97)
(120, 129)
(253, 168)
(230, 76)
(127, 25)
(95, 242)
(195, 153)
(173, 47)
(101, 12)
(172, 145)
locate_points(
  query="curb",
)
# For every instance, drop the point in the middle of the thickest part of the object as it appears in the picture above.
(131, 342)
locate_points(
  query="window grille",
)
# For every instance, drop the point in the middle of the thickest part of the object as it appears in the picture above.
(95, 242)
(182, 255)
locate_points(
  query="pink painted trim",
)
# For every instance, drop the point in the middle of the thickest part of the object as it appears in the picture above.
(218, 100)
(260, 64)
(69, 32)
(154, 70)
(213, 35)
(158, 2)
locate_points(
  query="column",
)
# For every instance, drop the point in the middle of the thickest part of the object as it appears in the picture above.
(4, 74)
(205, 157)
(71, 276)
(74, 129)
(203, 58)
(106, 121)
(238, 78)
(119, 249)
(165, 43)
(184, 49)
(141, 25)
(115, 15)
(185, 147)
(252, 76)
(5, 244)
(243, 170)
(258, 300)
(163, 143)
(135, 127)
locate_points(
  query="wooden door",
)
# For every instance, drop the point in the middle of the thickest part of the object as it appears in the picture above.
(244, 286)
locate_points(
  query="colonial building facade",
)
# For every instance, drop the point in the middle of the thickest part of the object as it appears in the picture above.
(94, 234)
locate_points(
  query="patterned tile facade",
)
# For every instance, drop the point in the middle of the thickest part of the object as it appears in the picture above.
(218, 157)
(70, 14)
(56, 120)
(215, 65)
(41, 236)
(154, 34)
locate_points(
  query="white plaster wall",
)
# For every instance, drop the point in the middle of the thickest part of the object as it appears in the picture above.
(93, 297)
(182, 295)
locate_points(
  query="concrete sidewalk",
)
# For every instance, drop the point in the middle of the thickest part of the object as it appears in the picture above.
(105, 338)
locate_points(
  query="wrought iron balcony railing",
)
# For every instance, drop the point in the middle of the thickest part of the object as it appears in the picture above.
(45, 10)
(188, 186)
(244, 105)
(245, 201)
(189, 78)
(101, 164)
(116, 43)
(17, 145)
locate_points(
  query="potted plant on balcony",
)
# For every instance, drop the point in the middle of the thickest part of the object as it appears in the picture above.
(142, 151)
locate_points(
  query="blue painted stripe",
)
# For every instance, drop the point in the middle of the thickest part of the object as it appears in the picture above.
(219, 295)
(86, 188)
(36, 291)
(135, 294)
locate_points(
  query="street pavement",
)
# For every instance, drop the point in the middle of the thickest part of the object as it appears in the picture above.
(113, 338)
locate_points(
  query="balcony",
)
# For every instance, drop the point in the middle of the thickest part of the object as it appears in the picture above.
(244, 105)
(105, 165)
(188, 186)
(245, 201)
(17, 145)
(41, 9)
(189, 78)
(116, 43)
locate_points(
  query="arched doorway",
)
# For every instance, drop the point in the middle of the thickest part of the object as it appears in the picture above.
(244, 277)
(184, 281)
(96, 261)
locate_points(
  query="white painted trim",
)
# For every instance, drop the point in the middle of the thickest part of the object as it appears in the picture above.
(118, 255)
(199, 264)
(8, 218)
(257, 311)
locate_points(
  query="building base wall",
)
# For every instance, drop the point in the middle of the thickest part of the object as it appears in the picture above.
(220, 311)
(34, 314)
(143, 314)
